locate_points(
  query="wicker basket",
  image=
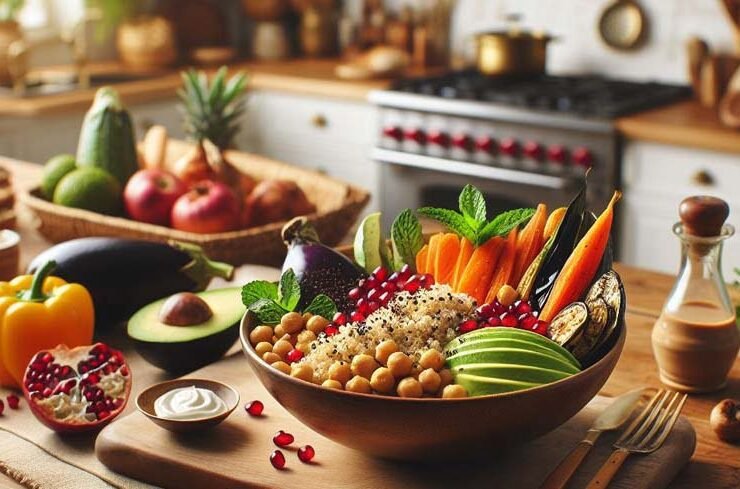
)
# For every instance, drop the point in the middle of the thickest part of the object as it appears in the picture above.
(338, 207)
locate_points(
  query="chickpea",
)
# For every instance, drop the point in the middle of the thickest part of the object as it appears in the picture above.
(384, 350)
(383, 381)
(304, 347)
(341, 372)
(306, 316)
(445, 376)
(359, 384)
(302, 371)
(263, 347)
(507, 295)
(400, 364)
(454, 391)
(305, 336)
(271, 357)
(282, 366)
(409, 387)
(430, 381)
(332, 384)
(363, 365)
(292, 322)
(279, 331)
(282, 347)
(432, 359)
(260, 334)
(317, 324)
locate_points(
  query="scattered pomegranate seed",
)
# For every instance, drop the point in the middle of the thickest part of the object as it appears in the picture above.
(277, 459)
(509, 320)
(339, 319)
(294, 355)
(331, 330)
(493, 321)
(540, 327)
(306, 453)
(282, 439)
(468, 326)
(380, 273)
(405, 272)
(13, 401)
(355, 293)
(254, 408)
(357, 317)
(527, 321)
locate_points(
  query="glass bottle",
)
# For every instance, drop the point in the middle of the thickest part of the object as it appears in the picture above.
(696, 339)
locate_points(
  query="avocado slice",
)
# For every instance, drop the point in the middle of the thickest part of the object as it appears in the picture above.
(181, 349)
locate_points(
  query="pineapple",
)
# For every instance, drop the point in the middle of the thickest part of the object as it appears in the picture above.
(212, 112)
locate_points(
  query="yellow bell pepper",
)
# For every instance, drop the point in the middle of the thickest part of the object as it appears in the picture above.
(38, 312)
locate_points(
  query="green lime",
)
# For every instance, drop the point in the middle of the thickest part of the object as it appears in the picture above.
(90, 188)
(54, 170)
(370, 247)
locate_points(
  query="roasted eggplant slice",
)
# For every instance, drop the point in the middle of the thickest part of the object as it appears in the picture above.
(568, 325)
(608, 289)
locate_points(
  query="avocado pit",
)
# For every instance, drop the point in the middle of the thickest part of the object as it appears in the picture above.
(184, 309)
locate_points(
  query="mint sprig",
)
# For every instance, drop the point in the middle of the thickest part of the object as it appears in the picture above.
(406, 239)
(471, 222)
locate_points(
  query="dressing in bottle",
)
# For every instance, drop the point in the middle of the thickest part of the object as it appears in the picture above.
(696, 339)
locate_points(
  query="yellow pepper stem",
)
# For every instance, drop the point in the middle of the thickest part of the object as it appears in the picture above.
(36, 292)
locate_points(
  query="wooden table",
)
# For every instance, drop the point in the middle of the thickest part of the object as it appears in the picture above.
(715, 464)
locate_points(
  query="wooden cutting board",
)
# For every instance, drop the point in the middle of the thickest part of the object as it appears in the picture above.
(235, 454)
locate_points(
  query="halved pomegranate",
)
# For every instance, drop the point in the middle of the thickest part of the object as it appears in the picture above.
(77, 390)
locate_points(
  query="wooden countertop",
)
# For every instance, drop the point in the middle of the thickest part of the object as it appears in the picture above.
(715, 464)
(302, 76)
(685, 123)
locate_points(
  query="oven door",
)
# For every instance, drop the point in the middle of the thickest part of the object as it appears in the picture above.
(413, 181)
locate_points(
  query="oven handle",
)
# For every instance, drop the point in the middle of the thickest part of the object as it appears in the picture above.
(487, 172)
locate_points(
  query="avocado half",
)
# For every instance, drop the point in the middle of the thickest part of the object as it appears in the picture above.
(181, 349)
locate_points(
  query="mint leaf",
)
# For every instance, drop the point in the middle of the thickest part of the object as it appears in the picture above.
(454, 221)
(268, 311)
(473, 206)
(323, 306)
(406, 239)
(503, 223)
(289, 290)
(259, 289)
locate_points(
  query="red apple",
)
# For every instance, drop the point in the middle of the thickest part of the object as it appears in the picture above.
(209, 207)
(150, 194)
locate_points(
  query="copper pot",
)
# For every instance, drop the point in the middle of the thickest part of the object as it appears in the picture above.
(147, 42)
(10, 32)
(512, 52)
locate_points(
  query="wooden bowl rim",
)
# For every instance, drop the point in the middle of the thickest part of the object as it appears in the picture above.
(168, 385)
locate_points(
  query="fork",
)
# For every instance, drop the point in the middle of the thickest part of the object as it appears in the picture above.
(644, 435)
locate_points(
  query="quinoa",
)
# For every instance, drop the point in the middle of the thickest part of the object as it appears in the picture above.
(425, 320)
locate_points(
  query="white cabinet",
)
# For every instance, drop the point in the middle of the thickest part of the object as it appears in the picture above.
(656, 178)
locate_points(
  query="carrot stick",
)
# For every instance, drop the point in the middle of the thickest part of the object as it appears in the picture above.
(581, 266)
(432, 254)
(556, 217)
(476, 279)
(447, 253)
(466, 251)
(421, 259)
(505, 266)
(529, 242)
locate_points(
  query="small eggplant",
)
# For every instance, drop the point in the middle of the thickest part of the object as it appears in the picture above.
(568, 326)
(318, 268)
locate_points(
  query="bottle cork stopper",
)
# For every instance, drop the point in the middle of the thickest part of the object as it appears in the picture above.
(703, 215)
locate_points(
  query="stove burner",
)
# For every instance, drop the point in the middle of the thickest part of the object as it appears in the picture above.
(590, 96)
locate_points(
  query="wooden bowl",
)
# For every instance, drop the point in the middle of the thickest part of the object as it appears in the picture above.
(417, 429)
(145, 404)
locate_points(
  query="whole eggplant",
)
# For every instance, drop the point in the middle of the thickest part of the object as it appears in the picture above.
(122, 275)
(318, 268)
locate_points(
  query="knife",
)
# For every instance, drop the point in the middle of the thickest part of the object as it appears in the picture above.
(611, 418)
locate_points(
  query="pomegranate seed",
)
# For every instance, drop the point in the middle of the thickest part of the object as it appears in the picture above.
(411, 286)
(380, 273)
(294, 355)
(102, 414)
(339, 319)
(427, 280)
(355, 293)
(509, 320)
(306, 453)
(277, 459)
(254, 408)
(46, 392)
(522, 307)
(282, 439)
(46, 357)
(394, 277)
(2, 407)
(485, 311)
(124, 371)
(493, 321)
(373, 294)
(468, 326)
(362, 307)
(527, 321)
(357, 317)
(385, 298)
(540, 327)
(388, 287)
(371, 283)
(373, 306)
(405, 272)
(331, 330)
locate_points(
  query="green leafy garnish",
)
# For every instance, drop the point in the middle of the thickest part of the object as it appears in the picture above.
(406, 239)
(471, 221)
(270, 300)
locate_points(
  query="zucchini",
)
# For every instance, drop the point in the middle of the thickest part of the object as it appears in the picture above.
(107, 138)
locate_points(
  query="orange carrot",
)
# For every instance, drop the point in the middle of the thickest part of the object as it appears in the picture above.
(505, 266)
(476, 279)
(447, 253)
(581, 266)
(556, 217)
(432, 254)
(466, 251)
(529, 242)
(421, 259)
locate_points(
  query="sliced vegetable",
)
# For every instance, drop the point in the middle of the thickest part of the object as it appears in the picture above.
(505, 267)
(529, 242)
(432, 254)
(476, 279)
(553, 222)
(421, 259)
(579, 270)
(446, 259)
(463, 257)
(527, 281)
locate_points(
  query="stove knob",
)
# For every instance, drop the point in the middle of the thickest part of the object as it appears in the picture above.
(509, 147)
(416, 135)
(393, 132)
(439, 138)
(462, 141)
(485, 144)
(532, 150)
(557, 154)
(583, 157)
